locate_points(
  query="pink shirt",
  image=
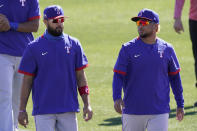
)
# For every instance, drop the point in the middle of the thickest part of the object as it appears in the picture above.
(193, 9)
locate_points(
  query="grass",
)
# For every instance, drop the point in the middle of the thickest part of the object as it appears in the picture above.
(103, 26)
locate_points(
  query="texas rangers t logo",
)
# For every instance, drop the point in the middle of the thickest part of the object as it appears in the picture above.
(161, 53)
(58, 11)
(67, 49)
(23, 2)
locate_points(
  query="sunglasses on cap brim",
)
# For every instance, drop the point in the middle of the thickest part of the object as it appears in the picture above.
(59, 20)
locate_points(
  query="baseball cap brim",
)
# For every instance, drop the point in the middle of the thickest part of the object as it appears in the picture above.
(138, 18)
(60, 16)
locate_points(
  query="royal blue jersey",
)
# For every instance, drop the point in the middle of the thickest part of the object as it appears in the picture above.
(144, 72)
(14, 42)
(53, 61)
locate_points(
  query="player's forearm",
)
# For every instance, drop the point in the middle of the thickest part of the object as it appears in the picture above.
(83, 87)
(25, 91)
(81, 78)
(86, 100)
(4, 23)
(30, 26)
(178, 8)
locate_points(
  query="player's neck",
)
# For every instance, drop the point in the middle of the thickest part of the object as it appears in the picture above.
(149, 40)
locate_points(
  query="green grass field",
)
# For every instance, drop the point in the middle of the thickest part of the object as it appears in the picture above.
(103, 26)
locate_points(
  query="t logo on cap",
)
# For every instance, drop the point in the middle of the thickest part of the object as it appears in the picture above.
(58, 11)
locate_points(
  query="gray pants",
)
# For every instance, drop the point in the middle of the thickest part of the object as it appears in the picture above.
(143, 122)
(10, 88)
(58, 122)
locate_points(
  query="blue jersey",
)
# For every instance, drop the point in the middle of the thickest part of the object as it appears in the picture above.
(53, 61)
(14, 42)
(144, 70)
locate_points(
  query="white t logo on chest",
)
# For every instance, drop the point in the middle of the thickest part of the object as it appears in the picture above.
(23, 2)
(160, 53)
(67, 49)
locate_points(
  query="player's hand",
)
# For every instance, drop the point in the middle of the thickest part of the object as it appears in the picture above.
(119, 105)
(23, 119)
(179, 114)
(87, 113)
(178, 26)
(4, 23)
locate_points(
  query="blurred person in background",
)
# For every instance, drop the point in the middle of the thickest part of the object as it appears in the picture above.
(178, 26)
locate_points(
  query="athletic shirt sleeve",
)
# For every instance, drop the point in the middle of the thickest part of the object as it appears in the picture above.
(173, 67)
(34, 12)
(178, 8)
(122, 62)
(28, 63)
(175, 79)
(117, 85)
(81, 59)
(120, 70)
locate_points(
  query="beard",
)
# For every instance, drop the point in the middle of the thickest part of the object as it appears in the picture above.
(55, 32)
(144, 34)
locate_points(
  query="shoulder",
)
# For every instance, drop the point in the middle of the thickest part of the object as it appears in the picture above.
(131, 44)
(35, 43)
(163, 42)
(33, 1)
(165, 45)
(72, 39)
(75, 43)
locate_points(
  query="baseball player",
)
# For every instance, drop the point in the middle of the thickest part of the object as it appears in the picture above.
(18, 18)
(144, 69)
(53, 69)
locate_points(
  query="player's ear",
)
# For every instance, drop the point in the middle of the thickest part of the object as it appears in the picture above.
(45, 22)
(157, 28)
